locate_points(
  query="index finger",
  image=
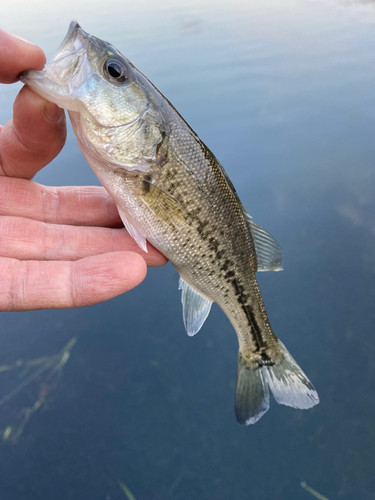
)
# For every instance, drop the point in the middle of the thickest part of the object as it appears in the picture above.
(17, 55)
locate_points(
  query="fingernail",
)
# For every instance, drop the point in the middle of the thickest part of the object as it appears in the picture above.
(51, 112)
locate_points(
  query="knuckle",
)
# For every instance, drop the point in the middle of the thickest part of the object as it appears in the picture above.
(50, 201)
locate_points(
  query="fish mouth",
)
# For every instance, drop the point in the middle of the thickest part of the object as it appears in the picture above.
(60, 80)
(74, 32)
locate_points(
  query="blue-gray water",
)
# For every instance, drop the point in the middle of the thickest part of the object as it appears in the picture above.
(283, 93)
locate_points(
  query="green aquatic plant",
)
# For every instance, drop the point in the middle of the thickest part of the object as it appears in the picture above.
(50, 364)
(126, 490)
(313, 492)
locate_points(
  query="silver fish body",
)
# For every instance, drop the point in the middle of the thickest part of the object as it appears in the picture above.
(171, 191)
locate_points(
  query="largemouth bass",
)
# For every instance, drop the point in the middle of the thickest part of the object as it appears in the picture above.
(170, 190)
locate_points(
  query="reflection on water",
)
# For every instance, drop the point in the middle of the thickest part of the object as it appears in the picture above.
(283, 94)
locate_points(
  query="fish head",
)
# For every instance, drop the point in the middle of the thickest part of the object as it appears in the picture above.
(91, 76)
(111, 104)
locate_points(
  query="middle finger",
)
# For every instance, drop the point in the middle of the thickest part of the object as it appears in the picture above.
(26, 239)
(76, 205)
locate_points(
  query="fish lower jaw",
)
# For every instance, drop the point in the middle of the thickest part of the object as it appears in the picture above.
(46, 88)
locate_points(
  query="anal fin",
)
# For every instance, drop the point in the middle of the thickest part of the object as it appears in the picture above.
(195, 308)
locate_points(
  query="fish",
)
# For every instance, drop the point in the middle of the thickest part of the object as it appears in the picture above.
(171, 191)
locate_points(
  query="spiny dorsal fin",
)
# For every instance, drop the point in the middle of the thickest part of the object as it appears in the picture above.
(195, 308)
(269, 255)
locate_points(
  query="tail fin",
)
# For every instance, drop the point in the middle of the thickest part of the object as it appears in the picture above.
(252, 398)
(288, 384)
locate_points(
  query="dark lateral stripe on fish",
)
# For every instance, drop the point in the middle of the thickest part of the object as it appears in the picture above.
(255, 331)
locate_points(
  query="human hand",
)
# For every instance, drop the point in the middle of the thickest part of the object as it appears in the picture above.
(59, 247)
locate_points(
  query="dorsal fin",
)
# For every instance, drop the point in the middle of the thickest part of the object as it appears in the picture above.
(269, 255)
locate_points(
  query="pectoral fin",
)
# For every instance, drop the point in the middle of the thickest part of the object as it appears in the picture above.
(269, 255)
(195, 308)
(133, 231)
(163, 205)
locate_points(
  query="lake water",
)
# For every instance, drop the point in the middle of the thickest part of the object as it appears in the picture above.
(283, 93)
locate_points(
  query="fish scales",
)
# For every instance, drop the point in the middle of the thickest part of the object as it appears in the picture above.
(171, 191)
(202, 255)
(232, 251)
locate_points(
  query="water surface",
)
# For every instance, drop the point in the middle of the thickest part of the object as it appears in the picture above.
(283, 94)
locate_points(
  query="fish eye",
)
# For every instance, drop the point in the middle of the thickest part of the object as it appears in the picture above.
(115, 70)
